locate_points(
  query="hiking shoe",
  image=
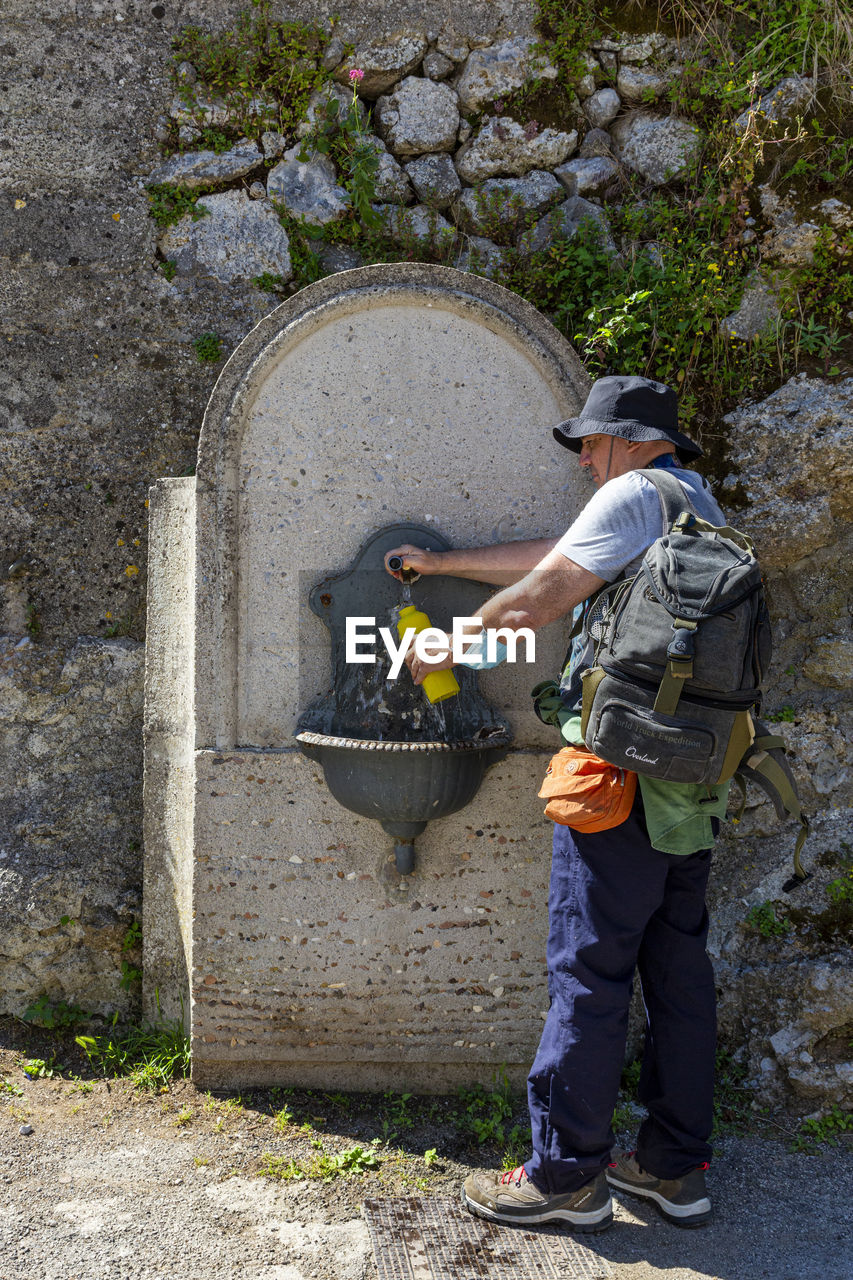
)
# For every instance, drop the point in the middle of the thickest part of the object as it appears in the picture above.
(511, 1197)
(684, 1201)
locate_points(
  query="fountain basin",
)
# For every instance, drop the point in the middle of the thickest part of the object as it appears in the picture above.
(404, 785)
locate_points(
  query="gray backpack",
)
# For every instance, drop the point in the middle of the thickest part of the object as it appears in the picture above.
(680, 653)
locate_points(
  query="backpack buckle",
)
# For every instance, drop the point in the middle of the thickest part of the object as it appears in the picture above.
(680, 648)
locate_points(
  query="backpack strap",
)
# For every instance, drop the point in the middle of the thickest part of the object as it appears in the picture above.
(679, 666)
(674, 499)
(765, 764)
(679, 513)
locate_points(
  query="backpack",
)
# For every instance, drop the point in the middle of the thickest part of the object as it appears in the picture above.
(680, 653)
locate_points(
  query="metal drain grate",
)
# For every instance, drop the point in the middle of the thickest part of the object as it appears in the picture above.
(436, 1240)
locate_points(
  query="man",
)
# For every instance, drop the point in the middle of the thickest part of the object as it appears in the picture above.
(630, 897)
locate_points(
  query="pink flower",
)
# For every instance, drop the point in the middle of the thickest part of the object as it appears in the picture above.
(355, 75)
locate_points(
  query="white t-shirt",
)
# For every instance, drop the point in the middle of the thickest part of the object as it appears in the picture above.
(622, 520)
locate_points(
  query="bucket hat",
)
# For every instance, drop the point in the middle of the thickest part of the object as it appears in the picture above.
(634, 409)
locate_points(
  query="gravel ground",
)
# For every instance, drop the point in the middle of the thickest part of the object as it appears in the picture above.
(117, 1184)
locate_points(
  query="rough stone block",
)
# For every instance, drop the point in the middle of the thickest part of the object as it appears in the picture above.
(239, 239)
(202, 168)
(420, 116)
(504, 202)
(500, 69)
(384, 62)
(308, 188)
(503, 146)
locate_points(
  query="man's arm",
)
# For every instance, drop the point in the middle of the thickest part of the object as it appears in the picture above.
(549, 591)
(498, 565)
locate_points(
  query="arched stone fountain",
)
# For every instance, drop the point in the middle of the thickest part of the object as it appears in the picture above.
(275, 919)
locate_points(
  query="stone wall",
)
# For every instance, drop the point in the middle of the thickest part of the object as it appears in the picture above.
(101, 394)
(71, 840)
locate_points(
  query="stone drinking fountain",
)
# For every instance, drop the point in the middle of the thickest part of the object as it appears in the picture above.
(386, 751)
(276, 920)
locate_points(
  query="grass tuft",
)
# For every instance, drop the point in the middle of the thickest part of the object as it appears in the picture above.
(151, 1056)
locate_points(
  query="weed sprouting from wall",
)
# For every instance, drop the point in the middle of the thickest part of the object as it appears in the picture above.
(264, 71)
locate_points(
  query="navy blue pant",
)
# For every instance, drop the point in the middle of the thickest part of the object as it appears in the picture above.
(616, 904)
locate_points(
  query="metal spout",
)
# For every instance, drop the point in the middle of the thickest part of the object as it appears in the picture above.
(404, 834)
(406, 575)
(404, 856)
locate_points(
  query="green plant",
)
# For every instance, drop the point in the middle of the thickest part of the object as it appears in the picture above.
(119, 626)
(840, 890)
(304, 258)
(324, 1167)
(130, 973)
(167, 205)
(55, 1015)
(401, 240)
(517, 1147)
(763, 919)
(817, 339)
(399, 1116)
(169, 267)
(486, 1111)
(33, 622)
(613, 327)
(11, 1088)
(826, 284)
(730, 1094)
(343, 137)
(500, 215)
(816, 1130)
(215, 140)
(430, 1157)
(283, 1119)
(785, 715)
(267, 282)
(208, 348)
(264, 71)
(232, 1106)
(40, 1068)
(150, 1055)
(827, 154)
(133, 936)
(738, 46)
(566, 30)
(624, 1115)
(341, 1100)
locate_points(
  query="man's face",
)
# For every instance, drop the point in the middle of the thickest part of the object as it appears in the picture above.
(605, 457)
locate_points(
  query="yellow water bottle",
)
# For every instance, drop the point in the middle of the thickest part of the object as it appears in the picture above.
(438, 685)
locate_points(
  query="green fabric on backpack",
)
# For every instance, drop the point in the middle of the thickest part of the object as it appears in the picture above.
(678, 814)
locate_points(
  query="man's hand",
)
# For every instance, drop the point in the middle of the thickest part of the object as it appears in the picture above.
(415, 558)
(421, 668)
(497, 565)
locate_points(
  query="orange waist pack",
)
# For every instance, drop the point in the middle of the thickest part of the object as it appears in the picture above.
(585, 792)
